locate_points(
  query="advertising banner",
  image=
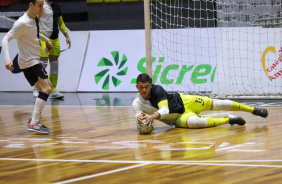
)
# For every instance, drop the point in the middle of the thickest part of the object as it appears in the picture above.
(70, 64)
(115, 58)
(249, 61)
(111, 60)
(220, 60)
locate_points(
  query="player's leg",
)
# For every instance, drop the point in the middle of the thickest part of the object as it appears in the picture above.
(44, 61)
(54, 68)
(192, 120)
(194, 105)
(36, 75)
(235, 106)
(43, 54)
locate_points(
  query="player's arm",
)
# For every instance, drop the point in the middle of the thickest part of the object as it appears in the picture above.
(163, 107)
(13, 33)
(64, 30)
(5, 46)
(49, 46)
(140, 115)
(149, 118)
(161, 101)
(137, 111)
(163, 110)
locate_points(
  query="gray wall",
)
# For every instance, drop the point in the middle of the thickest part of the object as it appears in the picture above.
(79, 15)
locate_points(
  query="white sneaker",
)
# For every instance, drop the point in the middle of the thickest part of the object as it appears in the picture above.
(35, 92)
(56, 95)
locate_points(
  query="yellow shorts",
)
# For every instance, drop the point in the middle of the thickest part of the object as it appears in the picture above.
(54, 52)
(194, 105)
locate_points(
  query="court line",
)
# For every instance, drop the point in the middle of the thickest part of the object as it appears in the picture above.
(49, 105)
(100, 174)
(176, 162)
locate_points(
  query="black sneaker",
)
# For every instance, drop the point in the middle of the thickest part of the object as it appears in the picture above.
(260, 112)
(38, 123)
(236, 120)
(37, 128)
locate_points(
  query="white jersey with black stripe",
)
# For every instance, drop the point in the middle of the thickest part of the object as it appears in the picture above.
(46, 20)
(140, 105)
(24, 31)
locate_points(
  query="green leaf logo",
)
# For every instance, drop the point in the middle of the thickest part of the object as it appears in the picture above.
(106, 72)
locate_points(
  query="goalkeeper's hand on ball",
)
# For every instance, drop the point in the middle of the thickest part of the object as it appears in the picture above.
(145, 118)
(140, 118)
(150, 118)
(144, 125)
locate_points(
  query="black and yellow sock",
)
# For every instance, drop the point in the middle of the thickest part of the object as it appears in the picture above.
(241, 107)
(213, 122)
(54, 80)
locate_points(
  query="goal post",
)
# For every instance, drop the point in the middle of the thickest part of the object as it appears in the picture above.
(217, 48)
(148, 37)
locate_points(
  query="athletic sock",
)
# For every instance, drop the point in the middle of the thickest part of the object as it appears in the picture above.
(213, 122)
(203, 122)
(53, 76)
(241, 107)
(44, 64)
(229, 105)
(38, 107)
(54, 80)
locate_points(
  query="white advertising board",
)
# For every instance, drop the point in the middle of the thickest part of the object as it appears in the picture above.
(240, 60)
(111, 60)
(70, 64)
(249, 61)
(115, 58)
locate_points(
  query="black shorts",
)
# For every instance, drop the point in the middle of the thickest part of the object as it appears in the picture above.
(33, 73)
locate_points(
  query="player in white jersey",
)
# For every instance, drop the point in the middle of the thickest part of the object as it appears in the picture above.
(26, 31)
(153, 102)
(50, 21)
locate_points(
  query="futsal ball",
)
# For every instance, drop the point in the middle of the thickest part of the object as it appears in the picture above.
(143, 128)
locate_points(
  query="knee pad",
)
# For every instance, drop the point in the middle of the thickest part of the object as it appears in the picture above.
(221, 105)
(43, 96)
(197, 122)
(54, 67)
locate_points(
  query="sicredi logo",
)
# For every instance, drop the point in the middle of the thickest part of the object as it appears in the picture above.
(199, 73)
(274, 65)
(108, 71)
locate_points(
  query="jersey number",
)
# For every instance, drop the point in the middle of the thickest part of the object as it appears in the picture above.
(200, 100)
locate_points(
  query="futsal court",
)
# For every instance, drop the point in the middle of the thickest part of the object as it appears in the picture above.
(93, 139)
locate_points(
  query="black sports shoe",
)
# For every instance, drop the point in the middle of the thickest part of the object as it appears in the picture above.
(260, 112)
(38, 123)
(236, 120)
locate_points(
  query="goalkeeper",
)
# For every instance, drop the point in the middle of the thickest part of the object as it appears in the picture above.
(153, 102)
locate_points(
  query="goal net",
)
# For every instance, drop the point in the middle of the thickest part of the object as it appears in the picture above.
(224, 48)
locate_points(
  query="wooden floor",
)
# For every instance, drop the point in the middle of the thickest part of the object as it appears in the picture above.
(102, 145)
